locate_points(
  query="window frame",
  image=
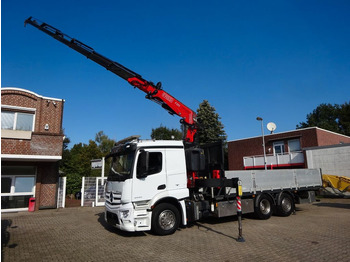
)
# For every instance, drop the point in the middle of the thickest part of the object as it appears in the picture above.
(13, 192)
(17, 175)
(156, 169)
(19, 110)
(13, 188)
(281, 145)
(291, 141)
(150, 171)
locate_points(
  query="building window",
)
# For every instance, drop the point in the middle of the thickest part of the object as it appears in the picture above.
(17, 186)
(278, 148)
(6, 183)
(294, 145)
(17, 121)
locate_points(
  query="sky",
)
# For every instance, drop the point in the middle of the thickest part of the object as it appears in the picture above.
(274, 59)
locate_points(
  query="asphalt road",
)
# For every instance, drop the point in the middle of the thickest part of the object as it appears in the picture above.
(317, 232)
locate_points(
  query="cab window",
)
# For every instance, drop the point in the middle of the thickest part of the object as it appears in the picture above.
(155, 162)
(149, 163)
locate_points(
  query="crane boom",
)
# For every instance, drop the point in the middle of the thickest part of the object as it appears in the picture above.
(153, 92)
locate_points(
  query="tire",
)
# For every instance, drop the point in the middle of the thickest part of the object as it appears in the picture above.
(285, 206)
(263, 207)
(165, 219)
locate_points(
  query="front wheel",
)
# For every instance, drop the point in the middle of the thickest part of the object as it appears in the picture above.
(165, 219)
(263, 207)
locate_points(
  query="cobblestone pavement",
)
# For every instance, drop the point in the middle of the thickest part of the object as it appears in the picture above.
(318, 232)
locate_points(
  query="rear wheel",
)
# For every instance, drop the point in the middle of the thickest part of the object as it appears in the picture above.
(263, 207)
(165, 219)
(285, 205)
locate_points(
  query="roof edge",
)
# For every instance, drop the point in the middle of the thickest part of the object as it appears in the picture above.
(18, 157)
(327, 146)
(306, 128)
(31, 92)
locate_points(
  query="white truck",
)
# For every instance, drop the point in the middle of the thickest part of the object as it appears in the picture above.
(149, 187)
(156, 185)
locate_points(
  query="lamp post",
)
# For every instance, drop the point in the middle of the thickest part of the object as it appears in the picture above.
(262, 131)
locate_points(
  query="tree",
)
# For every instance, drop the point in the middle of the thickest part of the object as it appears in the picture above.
(76, 162)
(80, 157)
(334, 118)
(66, 142)
(211, 129)
(73, 183)
(65, 153)
(164, 133)
(344, 118)
(104, 143)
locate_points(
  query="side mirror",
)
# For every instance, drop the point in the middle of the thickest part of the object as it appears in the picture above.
(142, 165)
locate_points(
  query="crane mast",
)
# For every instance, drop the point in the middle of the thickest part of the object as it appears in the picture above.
(153, 91)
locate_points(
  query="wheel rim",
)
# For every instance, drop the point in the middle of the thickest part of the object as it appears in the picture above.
(265, 206)
(286, 204)
(167, 219)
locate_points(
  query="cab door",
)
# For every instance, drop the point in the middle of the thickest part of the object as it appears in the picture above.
(149, 176)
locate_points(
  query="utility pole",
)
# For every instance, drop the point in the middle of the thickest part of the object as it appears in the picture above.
(262, 131)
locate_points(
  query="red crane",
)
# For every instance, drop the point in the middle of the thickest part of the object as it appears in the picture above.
(153, 91)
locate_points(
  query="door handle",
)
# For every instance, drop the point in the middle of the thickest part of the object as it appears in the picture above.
(161, 187)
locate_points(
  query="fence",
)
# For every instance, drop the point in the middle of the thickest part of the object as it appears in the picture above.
(61, 194)
(92, 191)
(287, 159)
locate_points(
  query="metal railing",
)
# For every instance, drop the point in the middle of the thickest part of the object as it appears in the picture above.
(285, 159)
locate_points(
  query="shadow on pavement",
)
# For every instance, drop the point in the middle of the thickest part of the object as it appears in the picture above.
(336, 205)
(215, 220)
(207, 228)
(5, 236)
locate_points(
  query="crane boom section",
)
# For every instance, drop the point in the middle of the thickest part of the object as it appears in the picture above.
(153, 92)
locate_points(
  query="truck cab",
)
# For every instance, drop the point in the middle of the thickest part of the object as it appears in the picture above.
(147, 186)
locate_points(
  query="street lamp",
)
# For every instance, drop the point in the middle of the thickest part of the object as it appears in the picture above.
(262, 131)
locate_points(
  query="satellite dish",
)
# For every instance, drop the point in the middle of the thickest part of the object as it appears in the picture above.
(271, 127)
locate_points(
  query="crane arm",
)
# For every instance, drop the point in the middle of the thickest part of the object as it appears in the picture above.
(153, 92)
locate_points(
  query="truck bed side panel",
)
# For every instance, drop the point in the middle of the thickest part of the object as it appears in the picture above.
(270, 180)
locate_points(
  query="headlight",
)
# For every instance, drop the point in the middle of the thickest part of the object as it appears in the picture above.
(124, 214)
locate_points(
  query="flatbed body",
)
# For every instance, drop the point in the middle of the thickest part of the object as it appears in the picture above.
(257, 181)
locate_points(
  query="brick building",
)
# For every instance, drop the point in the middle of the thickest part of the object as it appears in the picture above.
(31, 146)
(283, 150)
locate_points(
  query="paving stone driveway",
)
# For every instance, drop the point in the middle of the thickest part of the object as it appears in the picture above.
(318, 232)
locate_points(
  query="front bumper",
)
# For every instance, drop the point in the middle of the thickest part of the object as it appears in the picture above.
(127, 218)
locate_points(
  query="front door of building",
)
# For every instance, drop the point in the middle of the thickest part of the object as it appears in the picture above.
(278, 148)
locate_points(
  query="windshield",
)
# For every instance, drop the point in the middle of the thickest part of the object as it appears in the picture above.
(121, 167)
